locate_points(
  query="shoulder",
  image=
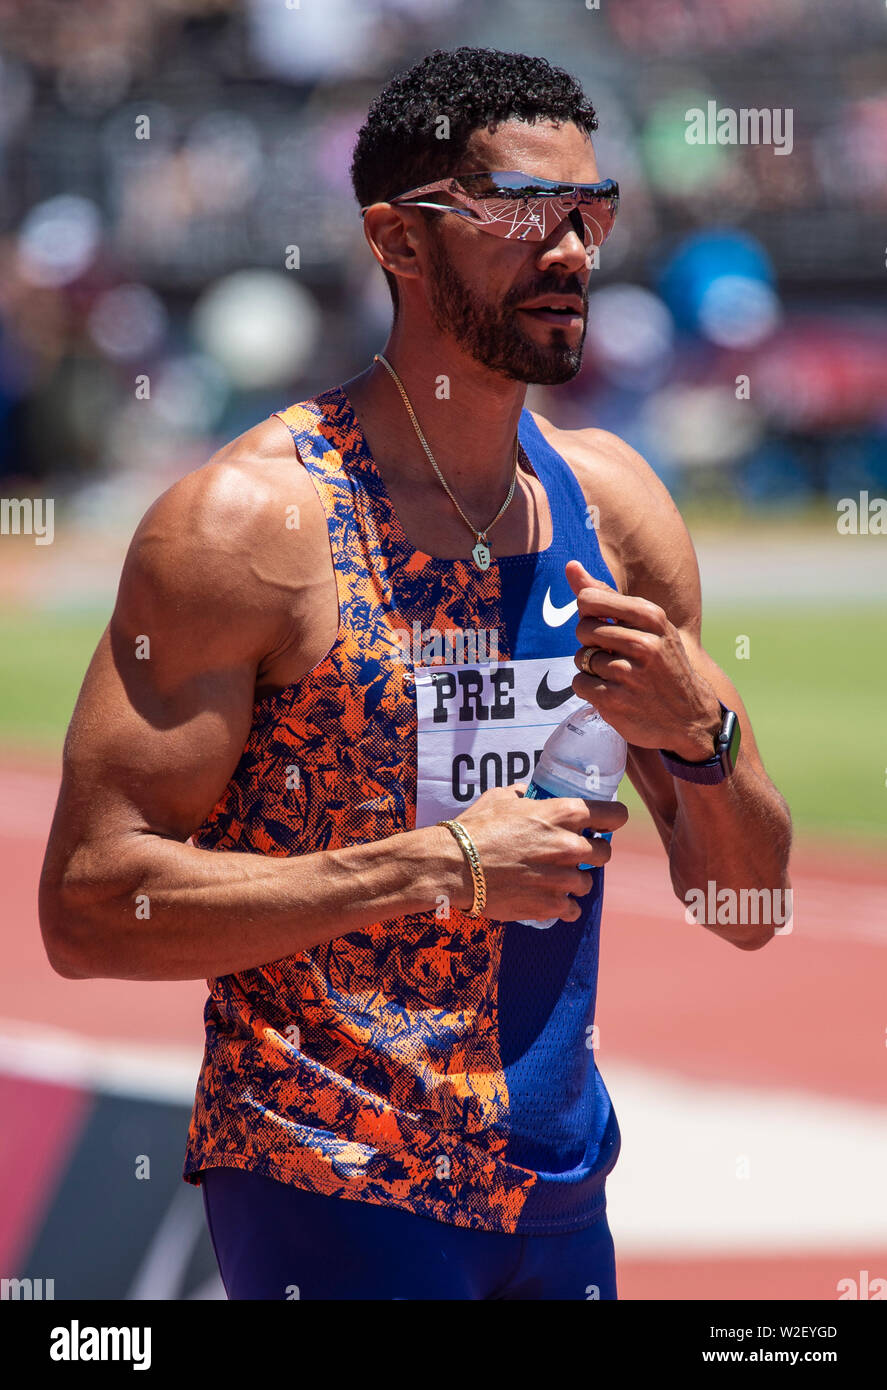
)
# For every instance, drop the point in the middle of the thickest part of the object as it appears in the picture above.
(238, 497)
(230, 539)
(605, 463)
(240, 478)
(638, 519)
(247, 480)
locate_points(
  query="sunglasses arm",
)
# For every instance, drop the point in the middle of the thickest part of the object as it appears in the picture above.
(436, 207)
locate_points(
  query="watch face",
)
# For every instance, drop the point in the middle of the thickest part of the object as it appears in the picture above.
(729, 740)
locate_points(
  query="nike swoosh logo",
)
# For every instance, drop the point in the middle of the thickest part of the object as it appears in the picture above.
(550, 699)
(556, 616)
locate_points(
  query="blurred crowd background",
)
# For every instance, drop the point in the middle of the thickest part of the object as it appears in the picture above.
(160, 160)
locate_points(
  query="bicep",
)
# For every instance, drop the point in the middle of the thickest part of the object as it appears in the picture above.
(151, 746)
(166, 705)
(154, 740)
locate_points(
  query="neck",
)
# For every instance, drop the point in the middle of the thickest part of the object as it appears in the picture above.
(468, 414)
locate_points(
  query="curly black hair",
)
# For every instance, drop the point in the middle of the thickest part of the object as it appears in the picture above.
(397, 146)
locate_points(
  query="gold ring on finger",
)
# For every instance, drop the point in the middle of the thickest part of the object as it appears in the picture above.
(588, 655)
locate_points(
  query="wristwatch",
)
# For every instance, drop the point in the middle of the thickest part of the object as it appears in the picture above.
(720, 765)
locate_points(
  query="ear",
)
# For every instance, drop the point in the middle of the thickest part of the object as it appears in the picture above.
(393, 240)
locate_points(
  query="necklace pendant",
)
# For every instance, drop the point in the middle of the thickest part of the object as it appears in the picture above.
(481, 556)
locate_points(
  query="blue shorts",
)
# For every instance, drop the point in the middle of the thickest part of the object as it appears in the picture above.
(273, 1240)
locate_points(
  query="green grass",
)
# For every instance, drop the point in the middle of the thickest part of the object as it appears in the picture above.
(43, 659)
(813, 685)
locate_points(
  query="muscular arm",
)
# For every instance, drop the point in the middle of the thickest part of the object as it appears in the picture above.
(206, 598)
(737, 833)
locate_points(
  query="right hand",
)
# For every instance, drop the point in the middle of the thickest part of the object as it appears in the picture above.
(529, 851)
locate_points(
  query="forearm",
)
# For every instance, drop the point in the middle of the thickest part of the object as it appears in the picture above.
(176, 912)
(737, 836)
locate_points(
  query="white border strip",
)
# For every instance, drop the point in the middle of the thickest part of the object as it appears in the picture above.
(110, 1066)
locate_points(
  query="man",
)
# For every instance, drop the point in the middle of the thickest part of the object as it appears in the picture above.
(399, 1098)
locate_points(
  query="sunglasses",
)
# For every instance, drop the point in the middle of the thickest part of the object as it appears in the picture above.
(522, 207)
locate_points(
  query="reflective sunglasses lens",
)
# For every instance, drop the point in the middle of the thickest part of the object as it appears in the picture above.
(599, 215)
(514, 185)
(534, 219)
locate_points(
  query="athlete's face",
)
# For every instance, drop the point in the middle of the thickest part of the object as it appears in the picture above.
(477, 283)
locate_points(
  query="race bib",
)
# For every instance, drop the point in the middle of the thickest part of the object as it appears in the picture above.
(484, 726)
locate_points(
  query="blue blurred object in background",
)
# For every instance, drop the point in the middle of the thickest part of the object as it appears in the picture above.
(721, 280)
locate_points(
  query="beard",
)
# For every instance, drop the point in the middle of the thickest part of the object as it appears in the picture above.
(492, 333)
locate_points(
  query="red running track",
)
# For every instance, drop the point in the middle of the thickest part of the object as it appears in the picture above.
(807, 1012)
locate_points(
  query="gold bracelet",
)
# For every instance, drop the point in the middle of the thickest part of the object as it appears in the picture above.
(477, 874)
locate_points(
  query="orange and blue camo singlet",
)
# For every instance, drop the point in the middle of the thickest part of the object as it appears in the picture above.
(434, 1062)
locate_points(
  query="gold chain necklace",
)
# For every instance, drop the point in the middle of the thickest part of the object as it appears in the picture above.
(481, 553)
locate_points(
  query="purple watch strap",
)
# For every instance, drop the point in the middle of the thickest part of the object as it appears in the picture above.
(709, 772)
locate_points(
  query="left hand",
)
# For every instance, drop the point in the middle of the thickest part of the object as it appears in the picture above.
(643, 683)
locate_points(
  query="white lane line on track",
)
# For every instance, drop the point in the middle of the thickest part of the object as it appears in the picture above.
(816, 1165)
(816, 1168)
(110, 1066)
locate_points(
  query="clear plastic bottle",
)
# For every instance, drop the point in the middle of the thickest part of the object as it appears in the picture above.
(584, 756)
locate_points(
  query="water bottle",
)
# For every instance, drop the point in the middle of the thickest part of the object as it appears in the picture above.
(584, 757)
